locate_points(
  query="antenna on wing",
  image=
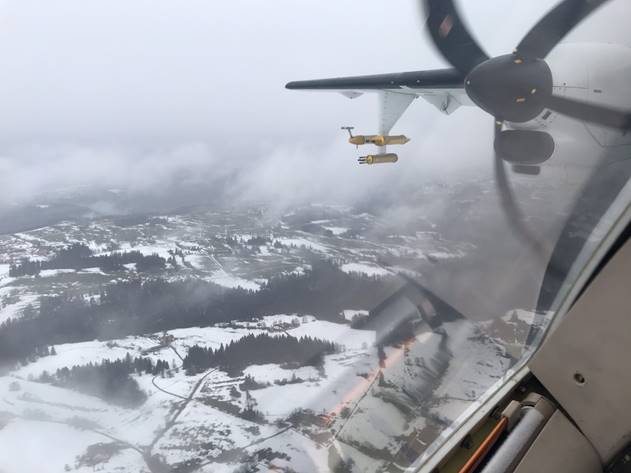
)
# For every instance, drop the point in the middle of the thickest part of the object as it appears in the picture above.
(349, 129)
(354, 140)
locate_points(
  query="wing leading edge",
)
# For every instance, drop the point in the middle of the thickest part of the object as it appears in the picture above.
(419, 80)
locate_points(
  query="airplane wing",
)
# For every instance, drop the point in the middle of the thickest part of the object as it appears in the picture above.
(418, 80)
(443, 88)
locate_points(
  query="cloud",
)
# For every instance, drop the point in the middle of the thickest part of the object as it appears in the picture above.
(30, 172)
(152, 95)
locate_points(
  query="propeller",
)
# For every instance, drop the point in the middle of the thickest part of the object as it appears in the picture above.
(553, 27)
(517, 87)
(451, 37)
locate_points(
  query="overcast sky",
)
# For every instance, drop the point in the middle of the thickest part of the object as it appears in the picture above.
(136, 90)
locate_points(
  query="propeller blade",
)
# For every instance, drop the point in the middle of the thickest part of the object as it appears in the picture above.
(553, 27)
(591, 113)
(451, 37)
(508, 202)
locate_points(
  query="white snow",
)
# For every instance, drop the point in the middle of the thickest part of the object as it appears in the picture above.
(97, 247)
(224, 279)
(327, 394)
(34, 447)
(199, 261)
(273, 320)
(337, 230)
(347, 380)
(299, 271)
(148, 250)
(49, 273)
(11, 311)
(123, 461)
(351, 314)
(271, 373)
(379, 428)
(303, 243)
(71, 354)
(92, 271)
(207, 337)
(364, 268)
(338, 333)
(203, 430)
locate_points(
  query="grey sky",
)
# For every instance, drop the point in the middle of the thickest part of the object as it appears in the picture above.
(138, 89)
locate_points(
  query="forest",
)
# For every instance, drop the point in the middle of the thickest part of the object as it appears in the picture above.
(260, 350)
(79, 256)
(108, 380)
(135, 306)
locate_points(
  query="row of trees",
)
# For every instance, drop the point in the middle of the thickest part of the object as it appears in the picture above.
(108, 380)
(79, 256)
(259, 350)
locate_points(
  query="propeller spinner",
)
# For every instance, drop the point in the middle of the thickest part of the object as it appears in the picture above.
(517, 87)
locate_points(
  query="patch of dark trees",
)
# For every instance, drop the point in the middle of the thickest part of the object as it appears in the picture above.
(108, 380)
(250, 384)
(135, 307)
(259, 350)
(79, 256)
(249, 412)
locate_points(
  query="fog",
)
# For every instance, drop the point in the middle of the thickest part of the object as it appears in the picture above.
(152, 95)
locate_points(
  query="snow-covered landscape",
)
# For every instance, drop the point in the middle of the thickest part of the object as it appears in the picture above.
(189, 422)
(366, 405)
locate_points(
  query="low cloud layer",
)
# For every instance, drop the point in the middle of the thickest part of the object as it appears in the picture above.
(155, 95)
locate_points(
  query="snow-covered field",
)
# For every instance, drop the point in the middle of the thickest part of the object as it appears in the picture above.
(365, 268)
(42, 440)
(224, 279)
(15, 309)
(192, 418)
(38, 412)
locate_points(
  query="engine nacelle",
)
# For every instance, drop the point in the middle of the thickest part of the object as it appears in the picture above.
(387, 158)
(378, 140)
(524, 147)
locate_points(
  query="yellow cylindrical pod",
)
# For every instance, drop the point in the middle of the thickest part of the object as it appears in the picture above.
(357, 140)
(387, 158)
(378, 140)
(394, 140)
